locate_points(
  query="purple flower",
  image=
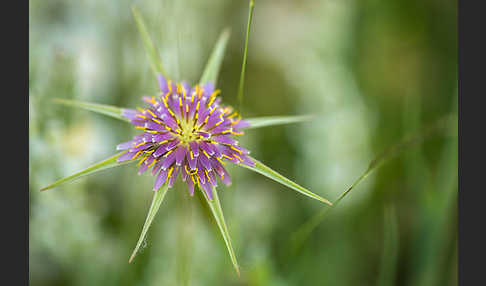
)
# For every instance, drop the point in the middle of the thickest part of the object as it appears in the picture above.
(186, 131)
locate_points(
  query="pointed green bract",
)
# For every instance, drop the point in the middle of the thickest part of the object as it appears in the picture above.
(105, 164)
(159, 196)
(152, 53)
(211, 71)
(243, 65)
(108, 110)
(268, 172)
(258, 122)
(215, 207)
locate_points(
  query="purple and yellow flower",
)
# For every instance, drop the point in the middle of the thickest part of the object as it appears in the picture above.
(186, 131)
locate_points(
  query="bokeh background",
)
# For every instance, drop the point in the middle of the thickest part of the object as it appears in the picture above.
(373, 71)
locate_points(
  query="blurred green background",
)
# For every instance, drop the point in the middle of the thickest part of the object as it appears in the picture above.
(374, 71)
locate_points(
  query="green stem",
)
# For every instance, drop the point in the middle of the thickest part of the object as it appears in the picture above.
(243, 66)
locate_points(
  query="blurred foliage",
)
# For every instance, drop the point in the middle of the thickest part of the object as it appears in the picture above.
(373, 72)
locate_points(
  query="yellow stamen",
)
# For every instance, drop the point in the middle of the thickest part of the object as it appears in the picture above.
(232, 147)
(167, 154)
(149, 111)
(170, 172)
(206, 154)
(151, 164)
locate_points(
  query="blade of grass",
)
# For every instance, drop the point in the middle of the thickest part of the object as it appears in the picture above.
(258, 122)
(157, 200)
(268, 172)
(215, 207)
(108, 110)
(152, 53)
(445, 124)
(211, 71)
(389, 255)
(243, 65)
(105, 164)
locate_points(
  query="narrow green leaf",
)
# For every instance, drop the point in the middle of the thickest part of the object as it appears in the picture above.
(444, 125)
(154, 207)
(105, 164)
(389, 255)
(152, 53)
(112, 111)
(243, 65)
(211, 71)
(268, 172)
(217, 211)
(258, 122)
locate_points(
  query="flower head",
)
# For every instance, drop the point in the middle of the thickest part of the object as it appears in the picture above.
(187, 131)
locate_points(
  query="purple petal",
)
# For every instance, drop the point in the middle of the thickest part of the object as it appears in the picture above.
(163, 84)
(126, 157)
(129, 113)
(180, 154)
(161, 177)
(194, 148)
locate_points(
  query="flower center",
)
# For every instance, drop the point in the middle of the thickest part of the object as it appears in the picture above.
(187, 132)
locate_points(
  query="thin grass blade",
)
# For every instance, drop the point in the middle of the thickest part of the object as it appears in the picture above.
(211, 71)
(258, 122)
(268, 172)
(387, 273)
(157, 200)
(108, 110)
(446, 125)
(243, 65)
(215, 207)
(152, 53)
(105, 164)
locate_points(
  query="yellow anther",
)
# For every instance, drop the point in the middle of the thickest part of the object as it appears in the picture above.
(167, 154)
(219, 122)
(206, 154)
(141, 110)
(136, 155)
(141, 161)
(180, 102)
(159, 122)
(222, 163)
(149, 111)
(192, 178)
(187, 171)
(227, 157)
(138, 145)
(170, 172)
(151, 164)
(187, 108)
(235, 122)
(169, 84)
(140, 127)
(142, 116)
(236, 133)
(236, 156)
(206, 172)
(232, 147)
(192, 156)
